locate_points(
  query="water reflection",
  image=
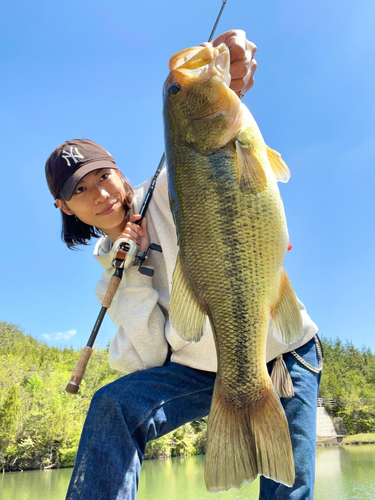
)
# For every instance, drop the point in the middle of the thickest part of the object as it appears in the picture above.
(35, 485)
(184, 479)
(345, 473)
(342, 473)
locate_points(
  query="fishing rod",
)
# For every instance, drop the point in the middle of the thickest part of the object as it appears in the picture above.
(126, 254)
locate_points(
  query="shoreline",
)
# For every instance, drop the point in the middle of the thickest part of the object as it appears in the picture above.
(321, 442)
(355, 439)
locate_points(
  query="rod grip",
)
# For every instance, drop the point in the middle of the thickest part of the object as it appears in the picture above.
(79, 371)
(111, 290)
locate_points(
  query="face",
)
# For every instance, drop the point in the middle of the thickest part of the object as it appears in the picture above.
(98, 200)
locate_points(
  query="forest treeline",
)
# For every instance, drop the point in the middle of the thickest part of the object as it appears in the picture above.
(40, 424)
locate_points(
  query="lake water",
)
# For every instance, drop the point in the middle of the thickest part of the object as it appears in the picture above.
(342, 473)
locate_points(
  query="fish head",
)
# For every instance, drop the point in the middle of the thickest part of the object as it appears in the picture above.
(199, 106)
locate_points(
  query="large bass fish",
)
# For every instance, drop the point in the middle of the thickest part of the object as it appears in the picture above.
(232, 237)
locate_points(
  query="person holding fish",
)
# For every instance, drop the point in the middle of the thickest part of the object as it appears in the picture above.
(226, 265)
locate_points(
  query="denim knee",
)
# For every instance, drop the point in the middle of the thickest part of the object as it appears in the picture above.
(107, 404)
(126, 396)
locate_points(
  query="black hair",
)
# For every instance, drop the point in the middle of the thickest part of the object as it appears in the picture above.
(74, 232)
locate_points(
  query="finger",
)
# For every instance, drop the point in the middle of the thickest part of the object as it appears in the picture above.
(135, 229)
(130, 232)
(245, 65)
(238, 44)
(237, 49)
(135, 217)
(132, 237)
(239, 69)
(243, 76)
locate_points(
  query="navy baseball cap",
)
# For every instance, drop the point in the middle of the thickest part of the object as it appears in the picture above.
(71, 161)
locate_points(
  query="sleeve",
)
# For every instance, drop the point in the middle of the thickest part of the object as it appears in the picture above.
(140, 341)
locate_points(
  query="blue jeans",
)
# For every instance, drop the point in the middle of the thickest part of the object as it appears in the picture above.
(145, 405)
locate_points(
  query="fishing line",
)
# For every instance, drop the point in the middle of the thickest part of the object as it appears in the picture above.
(233, 9)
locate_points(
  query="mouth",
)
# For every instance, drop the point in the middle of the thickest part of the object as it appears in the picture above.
(108, 210)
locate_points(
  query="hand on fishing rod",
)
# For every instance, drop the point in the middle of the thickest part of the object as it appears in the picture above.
(242, 62)
(137, 233)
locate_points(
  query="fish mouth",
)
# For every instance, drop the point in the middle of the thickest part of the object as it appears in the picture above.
(195, 66)
(199, 64)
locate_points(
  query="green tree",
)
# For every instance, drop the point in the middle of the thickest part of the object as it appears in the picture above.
(349, 378)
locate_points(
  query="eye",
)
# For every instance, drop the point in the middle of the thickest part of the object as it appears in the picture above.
(79, 190)
(173, 89)
(104, 176)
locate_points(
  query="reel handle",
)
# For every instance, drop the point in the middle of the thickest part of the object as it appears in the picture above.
(122, 246)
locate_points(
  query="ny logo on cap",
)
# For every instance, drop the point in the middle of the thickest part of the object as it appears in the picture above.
(66, 155)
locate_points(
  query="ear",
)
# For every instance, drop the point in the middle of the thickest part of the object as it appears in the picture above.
(63, 207)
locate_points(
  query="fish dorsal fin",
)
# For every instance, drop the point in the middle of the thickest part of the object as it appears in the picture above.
(187, 316)
(278, 165)
(251, 174)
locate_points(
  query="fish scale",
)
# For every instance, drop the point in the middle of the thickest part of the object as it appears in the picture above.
(205, 225)
(232, 237)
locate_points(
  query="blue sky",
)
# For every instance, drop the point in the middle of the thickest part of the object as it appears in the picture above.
(96, 69)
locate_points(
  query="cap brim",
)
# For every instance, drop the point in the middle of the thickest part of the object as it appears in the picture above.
(67, 189)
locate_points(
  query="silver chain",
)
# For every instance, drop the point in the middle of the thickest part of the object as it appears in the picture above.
(320, 358)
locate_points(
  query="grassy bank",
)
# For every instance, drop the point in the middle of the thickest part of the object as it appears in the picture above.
(359, 439)
(368, 438)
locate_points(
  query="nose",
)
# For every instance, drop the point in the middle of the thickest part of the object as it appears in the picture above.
(100, 194)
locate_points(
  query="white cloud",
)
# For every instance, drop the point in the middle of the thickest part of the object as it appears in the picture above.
(59, 335)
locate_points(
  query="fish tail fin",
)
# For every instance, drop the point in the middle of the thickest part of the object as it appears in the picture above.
(286, 316)
(243, 443)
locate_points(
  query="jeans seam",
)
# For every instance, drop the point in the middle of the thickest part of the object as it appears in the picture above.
(140, 422)
(130, 484)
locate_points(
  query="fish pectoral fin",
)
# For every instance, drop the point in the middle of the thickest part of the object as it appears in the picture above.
(251, 174)
(286, 316)
(187, 316)
(278, 165)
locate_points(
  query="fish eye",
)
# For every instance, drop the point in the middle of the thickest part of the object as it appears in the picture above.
(173, 89)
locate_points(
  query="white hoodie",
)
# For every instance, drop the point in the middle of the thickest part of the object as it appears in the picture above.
(140, 306)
